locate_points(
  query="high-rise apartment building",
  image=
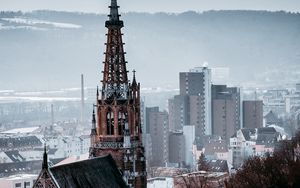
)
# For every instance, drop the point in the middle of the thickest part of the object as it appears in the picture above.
(225, 110)
(193, 105)
(158, 130)
(179, 109)
(253, 114)
(149, 110)
(176, 147)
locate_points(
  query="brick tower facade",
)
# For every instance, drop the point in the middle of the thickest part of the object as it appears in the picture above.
(117, 127)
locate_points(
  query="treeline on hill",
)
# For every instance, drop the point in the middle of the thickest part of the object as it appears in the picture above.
(282, 169)
(253, 44)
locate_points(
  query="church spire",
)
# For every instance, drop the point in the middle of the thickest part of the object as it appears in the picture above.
(134, 80)
(45, 158)
(115, 81)
(118, 127)
(114, 16)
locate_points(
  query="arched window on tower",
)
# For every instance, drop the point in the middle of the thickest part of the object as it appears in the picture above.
(121, 122)
(110, 123)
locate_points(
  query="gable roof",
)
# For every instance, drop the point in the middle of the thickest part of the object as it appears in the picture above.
(272, 118)
(19, 142)
(218, 165)
(15, 156)
(213, 146)
(23, 167)
(95, 172)
(247, 132)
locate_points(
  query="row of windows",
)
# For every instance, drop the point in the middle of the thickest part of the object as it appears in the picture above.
(19, 185)
(110, 123)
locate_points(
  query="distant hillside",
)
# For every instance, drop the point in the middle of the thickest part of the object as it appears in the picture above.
(48, 49)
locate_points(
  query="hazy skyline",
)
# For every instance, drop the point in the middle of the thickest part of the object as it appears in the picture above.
(100, 6)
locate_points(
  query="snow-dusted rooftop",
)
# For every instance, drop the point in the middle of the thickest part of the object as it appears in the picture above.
(20, 130)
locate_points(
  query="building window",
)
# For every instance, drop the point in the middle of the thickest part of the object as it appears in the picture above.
(17, 185)
(110, 123)
(26, 184)
(121, 122)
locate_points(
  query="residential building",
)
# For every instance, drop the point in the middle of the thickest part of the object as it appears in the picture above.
(189, 138)
(253, 114)
(271, 118)
(176, 148)
(179, 110)
(158, 130)
(250, 142)
(197, 82)
(225, 111)
(274, 100)
(18, 181)
(157, 182)
(213, 147)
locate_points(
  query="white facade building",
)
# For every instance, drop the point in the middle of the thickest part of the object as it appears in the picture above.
(69, 145)
(160, 182)
(18, 181)
(189, 137)
(251, 142)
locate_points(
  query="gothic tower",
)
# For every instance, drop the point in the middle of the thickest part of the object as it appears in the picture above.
(117, 128)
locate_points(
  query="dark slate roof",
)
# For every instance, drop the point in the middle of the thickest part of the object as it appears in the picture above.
(268, 140)
(15, 156)
(213, 146)
(201, 141)
(272, 118)
(97, 172)
(24, 167)
(19, 142)
(218, 166)
(266, 130)
(234, 135)
(52, 151)
(247, 132)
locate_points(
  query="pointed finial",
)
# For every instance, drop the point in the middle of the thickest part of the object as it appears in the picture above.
(134, 73)
(45, 158)
(114, 14)
(93, 130)
(114, 20)
(94, 118)
(133, 80)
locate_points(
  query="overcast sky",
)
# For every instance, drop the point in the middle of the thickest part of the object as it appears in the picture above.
(100, 6)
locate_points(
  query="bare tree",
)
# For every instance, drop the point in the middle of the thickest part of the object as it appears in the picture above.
(202, 163)
(192, 180)
(278, 170)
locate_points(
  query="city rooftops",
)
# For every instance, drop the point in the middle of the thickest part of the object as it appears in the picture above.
(25, 130)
